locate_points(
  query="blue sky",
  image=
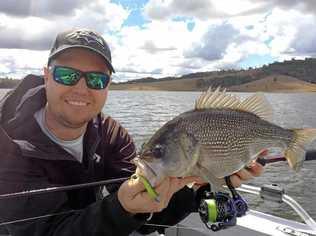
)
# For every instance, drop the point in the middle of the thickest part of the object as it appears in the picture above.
(136, 17)
(161, 38)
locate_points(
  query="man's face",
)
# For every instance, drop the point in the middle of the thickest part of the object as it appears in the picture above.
(74, 106)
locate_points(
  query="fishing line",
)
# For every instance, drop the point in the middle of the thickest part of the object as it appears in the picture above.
(76, 211)
(39, 217)
(173, 226)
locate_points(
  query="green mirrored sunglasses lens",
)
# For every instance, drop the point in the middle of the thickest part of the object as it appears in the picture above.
(97, 80)
(66, 76)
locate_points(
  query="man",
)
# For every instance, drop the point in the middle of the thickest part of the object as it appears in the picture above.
(53, 133)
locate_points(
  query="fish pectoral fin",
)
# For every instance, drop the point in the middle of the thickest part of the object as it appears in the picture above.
(216, 183)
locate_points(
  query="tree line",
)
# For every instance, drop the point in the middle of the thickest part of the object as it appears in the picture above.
(8, 82)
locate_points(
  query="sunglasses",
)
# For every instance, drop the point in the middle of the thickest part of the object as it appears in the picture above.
(69, 76)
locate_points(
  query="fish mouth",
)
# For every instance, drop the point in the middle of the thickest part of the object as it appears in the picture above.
(145, 169)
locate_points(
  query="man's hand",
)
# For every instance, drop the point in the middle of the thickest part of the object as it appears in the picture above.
(135, 199)
(254, 170)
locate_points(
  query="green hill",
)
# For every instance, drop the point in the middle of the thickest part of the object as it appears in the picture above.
(302, 70)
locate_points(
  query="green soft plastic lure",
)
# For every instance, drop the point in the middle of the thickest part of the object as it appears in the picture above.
(150, 190)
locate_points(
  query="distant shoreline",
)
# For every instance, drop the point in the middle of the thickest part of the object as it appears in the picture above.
(4, 90)
(228, 91)
(283, 84)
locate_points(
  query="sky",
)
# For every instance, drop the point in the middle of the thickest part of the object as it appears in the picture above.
(159, 38)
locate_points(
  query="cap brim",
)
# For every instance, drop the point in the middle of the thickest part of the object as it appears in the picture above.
(64, 48)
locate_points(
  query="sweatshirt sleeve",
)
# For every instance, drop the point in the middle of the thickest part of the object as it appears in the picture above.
(51, 213)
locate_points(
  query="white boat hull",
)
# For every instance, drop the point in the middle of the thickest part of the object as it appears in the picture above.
(253, 223)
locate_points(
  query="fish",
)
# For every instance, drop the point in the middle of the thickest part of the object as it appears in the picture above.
(220, 136)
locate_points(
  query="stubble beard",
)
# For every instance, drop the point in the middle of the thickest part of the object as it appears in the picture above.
(72, 124)
(62, 120)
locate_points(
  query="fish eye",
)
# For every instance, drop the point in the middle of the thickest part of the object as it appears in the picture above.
(158, 151)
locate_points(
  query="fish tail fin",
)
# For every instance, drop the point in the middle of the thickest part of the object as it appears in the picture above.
(295, 153)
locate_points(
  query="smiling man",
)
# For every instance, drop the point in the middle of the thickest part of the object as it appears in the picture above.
(53, 133)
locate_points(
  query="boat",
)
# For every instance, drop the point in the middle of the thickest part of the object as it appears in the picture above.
(254, 223)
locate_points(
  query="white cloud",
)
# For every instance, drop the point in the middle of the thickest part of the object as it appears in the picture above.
(164, 45)
(306, 6)
(164, 50)
(210, 9)
(238, 52)
(27, 33)
(214, 42)
(233, 8)
(166, 9)
(292, 32)
(38, 33)
(43, 9)
(100, 15)
(32, 33)
(16, 63)
(305, 38)
(281, 34)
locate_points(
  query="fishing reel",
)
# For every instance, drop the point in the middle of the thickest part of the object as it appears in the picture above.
(220, 210)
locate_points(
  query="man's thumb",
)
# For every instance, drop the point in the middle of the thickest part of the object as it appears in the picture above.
(135, 185)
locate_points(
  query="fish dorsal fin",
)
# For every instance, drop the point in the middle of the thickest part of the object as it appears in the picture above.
(216, 99)
(258, 105)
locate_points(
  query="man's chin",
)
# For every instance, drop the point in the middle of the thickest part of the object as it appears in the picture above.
(76, 123)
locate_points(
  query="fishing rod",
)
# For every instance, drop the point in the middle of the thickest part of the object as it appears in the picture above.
(61, 188)
(52, 190)
(263, 160)
(219, 204)
(234, 206)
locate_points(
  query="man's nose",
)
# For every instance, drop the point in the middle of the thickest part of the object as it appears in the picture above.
(81, 86)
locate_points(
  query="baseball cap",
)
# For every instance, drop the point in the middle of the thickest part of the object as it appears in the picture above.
(82, 38)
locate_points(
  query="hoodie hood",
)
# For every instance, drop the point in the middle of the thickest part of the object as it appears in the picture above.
(11, 106)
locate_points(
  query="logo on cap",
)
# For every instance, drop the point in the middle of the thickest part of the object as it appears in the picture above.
(86, 36)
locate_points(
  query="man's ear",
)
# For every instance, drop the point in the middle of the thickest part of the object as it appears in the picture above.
(46, 73)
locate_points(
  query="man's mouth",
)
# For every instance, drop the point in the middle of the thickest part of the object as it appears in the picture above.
(77, 103)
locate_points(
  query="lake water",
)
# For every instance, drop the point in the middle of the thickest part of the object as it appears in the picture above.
(143, 112)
